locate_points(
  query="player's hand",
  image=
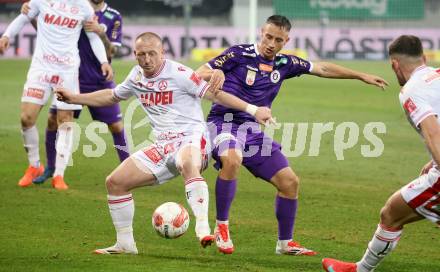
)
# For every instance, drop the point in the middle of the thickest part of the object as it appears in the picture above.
(374, 80)
(93, 26)
(217, 80)
(64, 95)
(264, 116)
(4, 44)
(426, 167)
(107, 71)
(25, 8)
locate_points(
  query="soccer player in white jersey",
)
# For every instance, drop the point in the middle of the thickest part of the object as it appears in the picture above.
(170, 94)
(55, 63)
(420, 99)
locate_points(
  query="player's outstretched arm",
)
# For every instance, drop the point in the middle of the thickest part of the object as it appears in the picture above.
(331, 70)
(263, 115)
(215, 77)
(431, 134)
(12, 30)
(95, 99)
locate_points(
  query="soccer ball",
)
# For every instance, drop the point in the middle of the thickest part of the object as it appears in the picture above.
(170, 220)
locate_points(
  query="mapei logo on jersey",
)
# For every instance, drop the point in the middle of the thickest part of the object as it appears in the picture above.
(409, 106)
(32, 92)
(219, 61)
(156, 98)
(59, 20)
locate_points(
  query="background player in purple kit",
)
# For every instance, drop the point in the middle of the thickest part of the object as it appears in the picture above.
(255, 74)
(108, 25)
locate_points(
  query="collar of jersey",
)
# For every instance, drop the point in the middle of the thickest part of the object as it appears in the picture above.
(158, 72)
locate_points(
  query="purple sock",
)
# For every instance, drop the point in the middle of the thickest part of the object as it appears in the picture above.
(121, 145)
(51, 153)
(285, 211)
(224, 195)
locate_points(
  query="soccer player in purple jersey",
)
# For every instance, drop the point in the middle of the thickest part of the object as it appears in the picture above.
(255, 74)
(109, 28)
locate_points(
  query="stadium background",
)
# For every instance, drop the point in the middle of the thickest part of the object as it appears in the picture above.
(44, 230)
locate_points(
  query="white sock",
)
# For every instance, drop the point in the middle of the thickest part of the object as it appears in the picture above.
(218, 222)
(383, 242)
(122, 212)
(197, 196)
(64, 146)
(31, 145)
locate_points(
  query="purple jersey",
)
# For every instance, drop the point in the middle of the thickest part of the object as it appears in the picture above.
(252, 78)
(90, 74)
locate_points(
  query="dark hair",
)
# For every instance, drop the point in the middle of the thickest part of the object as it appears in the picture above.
(280, 21)
(408, 45)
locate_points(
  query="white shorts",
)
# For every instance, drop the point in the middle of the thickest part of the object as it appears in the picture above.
(161, 157)
(40, 82)
(423, 195)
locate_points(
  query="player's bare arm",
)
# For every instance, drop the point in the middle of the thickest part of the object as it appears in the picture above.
(261, 114)
(331, 70)
(431, 134)
(215, 77)
(95, 99)
(94, 26)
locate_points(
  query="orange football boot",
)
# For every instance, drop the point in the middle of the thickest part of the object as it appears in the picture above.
(30, 174)
(58, 183)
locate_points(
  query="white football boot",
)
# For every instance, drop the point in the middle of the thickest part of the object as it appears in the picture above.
(118, 249)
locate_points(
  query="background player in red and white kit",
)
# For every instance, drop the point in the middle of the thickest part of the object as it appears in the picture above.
(420, 99)
(108, 26)
(170, 94)
(55, 63)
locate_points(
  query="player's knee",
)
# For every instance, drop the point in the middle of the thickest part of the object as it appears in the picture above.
(112, 184)
(189, 167)
(290, 184)
(52, 123)
(64, 117)
(116, 127)
(231, 163)
(386, 217)
(27, 120)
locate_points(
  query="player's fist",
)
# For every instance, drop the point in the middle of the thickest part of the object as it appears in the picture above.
(107, 71)
(217, 80)
(25, 8)
(264, 115)
(4, 44)
(93, 26)
(64, 94)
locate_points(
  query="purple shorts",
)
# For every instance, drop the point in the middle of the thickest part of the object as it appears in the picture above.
(107, 114)
(261, 155)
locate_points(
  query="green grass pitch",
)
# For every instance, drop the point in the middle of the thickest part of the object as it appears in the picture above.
(46, 230)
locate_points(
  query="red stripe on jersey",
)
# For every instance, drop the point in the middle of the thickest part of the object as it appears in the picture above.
(205, 88)
(425, 195)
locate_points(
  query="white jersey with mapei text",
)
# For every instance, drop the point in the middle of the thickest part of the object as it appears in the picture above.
(59, 26)
(171, 98)
(420, 96)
